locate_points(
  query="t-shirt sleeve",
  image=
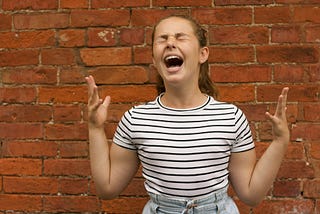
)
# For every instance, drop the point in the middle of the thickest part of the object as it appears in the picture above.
(123, 134)
(243, 138)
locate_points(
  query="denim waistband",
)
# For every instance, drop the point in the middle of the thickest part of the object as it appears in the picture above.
(187, 204)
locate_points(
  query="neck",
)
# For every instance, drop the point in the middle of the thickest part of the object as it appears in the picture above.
(183, 99)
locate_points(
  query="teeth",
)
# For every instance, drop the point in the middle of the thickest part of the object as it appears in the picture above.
(172, 57)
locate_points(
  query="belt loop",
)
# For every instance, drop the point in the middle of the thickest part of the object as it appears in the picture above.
(190, 205)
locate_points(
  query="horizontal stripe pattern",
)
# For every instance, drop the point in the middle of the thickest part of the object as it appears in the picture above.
(184, 152)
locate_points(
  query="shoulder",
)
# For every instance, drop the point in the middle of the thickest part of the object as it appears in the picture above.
(222, 106)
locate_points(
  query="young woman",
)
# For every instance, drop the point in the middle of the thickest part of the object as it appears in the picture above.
(189, 144)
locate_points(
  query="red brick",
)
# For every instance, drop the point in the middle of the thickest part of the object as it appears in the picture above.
(265, 131)
(236, 93)
(311, 188)
(317, 210)
(303, 93)
(102, 37)
(124, 205)
(285, 34)
(74, 4)
(59, 56)
(66, 113)
(119, 75)
(185, 3)
(66, 94)
(21, 130)
(142, 55)
(33, 185)
(313, 73)
(311, 112)
(288, 73)
(29, 4)
(26, 203)
(285, 206)
(231, 54)
(132, 36)
(294, 151)
(20, 166)
(25, 113)
(19, 57)
(242, 207)
(135, 188)
(74, 149)
(17, 95)
(310, 131)
(41, 21)
(242, 2)
(287, 188)
(306, 14)
(296, 169)
(297, 1)
(270, 15)
(238, 35)
(119, 3)
(149, 17)
(71, 38)
(32, 39)
(90, 18)
(73, 75)
(66, 132)
(298, 54)
(312, 33)
(129, 93)
(238, 74)
(5, 23)
(254, 112)
(116, 111)
(106, 56)
(38, 75)
(315, 150)
(223, 16)
(70, 204)
(29, 149)
(73, 186)
(68, 167)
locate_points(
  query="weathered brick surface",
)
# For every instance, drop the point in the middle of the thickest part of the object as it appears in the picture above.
(47, 47)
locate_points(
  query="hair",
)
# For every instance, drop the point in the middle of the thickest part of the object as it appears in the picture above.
(206, 85)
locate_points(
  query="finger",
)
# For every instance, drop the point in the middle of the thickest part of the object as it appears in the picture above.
(94, 98)
(91, 84)
(282, 102)
(106, 101)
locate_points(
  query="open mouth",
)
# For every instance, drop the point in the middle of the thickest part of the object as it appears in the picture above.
(173, 61)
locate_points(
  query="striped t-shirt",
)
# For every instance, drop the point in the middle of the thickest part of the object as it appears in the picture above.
(184, 152)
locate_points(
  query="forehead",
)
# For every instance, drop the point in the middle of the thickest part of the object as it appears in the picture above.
(174, 25)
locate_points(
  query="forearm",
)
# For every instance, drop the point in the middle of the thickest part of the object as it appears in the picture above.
(99, 158)
(266, 169)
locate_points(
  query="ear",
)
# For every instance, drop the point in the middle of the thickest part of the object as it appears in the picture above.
(204, 54)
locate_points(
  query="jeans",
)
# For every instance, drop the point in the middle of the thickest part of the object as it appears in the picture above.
(216, 203)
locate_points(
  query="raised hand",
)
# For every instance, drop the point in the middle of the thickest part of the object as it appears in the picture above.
(97, 108)
(279, 119)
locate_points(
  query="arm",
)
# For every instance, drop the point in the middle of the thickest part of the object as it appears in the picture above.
(252, 180)
(112, 166)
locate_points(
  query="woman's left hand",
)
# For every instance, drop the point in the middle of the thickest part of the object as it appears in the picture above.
(279, 119)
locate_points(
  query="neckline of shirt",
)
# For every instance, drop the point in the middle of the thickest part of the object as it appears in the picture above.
(162, 106)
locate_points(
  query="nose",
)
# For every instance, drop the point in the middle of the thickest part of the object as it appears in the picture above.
(171, 42)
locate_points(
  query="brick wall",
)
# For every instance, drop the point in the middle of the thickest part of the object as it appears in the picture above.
(46, 48)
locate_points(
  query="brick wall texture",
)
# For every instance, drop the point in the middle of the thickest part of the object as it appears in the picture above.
(47, 47)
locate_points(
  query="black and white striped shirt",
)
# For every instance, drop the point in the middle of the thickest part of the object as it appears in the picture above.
(184, 152)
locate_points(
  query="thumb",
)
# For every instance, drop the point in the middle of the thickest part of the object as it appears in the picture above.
(106, 101)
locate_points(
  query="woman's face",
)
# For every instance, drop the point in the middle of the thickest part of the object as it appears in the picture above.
(176, 51)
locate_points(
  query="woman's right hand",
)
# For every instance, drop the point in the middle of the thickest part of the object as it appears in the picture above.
(97, 108)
